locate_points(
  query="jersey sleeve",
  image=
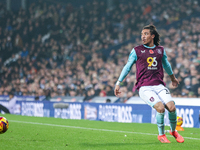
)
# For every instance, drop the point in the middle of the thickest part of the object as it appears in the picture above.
(166, 64)
(131, 60)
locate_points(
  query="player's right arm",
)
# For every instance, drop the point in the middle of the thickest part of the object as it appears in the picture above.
(131, 60)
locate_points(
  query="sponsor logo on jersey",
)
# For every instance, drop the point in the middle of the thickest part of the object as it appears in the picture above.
(143, 51)
(152, 63)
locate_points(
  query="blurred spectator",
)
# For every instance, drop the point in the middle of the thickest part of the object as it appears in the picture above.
(37, 98)
(24, 52)
(89, 95)
(18, 92)
(18, 42)
(194, 86)
(187, 87)
(11, 104)
(109, 91)
(48, 49)
(199, 92)
(108, 100)
(72, 92)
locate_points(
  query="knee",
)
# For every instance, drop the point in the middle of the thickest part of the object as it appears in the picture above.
(160, 107)
(172, 108)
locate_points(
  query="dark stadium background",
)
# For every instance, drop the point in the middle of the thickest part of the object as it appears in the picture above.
(84, 58)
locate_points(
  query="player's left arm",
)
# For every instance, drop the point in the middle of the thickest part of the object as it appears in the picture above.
(168, 69)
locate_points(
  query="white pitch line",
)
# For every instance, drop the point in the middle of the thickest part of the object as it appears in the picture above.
(55, 125)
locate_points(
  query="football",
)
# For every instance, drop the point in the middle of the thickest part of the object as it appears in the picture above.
(179, 121)
(3, 125)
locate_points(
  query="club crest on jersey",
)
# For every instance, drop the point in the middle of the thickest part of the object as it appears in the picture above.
(151, 99)
(159, 51)
(151, 51)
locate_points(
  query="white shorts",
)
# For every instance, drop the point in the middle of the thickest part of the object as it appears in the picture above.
(154, 94)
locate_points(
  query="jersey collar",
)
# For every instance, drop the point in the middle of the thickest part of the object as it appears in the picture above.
(149, 47)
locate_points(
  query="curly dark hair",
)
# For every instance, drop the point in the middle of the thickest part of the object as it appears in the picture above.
(154, 31)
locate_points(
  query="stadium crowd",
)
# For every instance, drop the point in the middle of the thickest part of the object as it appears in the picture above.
(55, 50)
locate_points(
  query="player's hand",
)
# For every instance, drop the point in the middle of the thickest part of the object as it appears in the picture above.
(175, 82)
(117, 92)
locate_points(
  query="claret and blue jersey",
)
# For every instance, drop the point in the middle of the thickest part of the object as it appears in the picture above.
(150, 62)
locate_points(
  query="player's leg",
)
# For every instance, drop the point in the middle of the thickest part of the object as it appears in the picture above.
(170, 106)
(165, 95)
(160, 117)
(166, 98)
(172, 117)
(160, 122)
(151, 98)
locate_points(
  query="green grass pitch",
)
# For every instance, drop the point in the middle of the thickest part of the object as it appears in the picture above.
(36, 133)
